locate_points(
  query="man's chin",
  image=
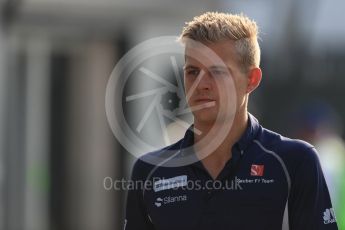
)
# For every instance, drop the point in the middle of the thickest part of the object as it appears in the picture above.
(213, 119)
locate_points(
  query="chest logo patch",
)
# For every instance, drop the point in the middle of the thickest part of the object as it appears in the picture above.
(257, 170)
(170, 183)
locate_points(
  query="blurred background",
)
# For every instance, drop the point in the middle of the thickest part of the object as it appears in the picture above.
(56, 56)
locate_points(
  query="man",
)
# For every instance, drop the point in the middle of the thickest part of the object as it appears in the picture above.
(252, 178)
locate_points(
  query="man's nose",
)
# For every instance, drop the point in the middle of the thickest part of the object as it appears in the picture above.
(205, 82)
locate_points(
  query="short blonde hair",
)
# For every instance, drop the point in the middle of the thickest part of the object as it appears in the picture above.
(212, 27)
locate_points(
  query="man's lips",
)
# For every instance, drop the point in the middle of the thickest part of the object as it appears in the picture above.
(201, 103)
(204, 100)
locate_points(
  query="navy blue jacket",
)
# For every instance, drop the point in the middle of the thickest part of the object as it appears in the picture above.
(271, 182)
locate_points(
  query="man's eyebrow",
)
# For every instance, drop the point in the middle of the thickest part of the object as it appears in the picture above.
(219, 67)
(214, 67)
(222, 68)
(190, 67)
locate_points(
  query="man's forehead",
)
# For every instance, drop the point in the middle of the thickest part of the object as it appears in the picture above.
(214, 52)
(203, 61)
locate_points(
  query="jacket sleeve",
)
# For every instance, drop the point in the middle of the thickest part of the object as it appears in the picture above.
(310, 206)
(136, 217)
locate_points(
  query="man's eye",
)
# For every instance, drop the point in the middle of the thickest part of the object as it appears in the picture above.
(193, 72)
(218, 73)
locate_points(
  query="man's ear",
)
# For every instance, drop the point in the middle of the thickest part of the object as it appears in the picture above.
(254, 79)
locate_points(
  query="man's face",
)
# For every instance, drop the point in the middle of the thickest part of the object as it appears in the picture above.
(214, 86)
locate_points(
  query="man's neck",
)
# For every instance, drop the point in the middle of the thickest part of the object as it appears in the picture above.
(215, 161)
(223, 151)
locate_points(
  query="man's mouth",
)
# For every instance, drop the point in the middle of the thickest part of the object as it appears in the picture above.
(202, 103)
(204, 100)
